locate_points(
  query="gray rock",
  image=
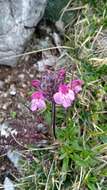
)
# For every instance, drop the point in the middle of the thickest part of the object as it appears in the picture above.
(14, 157)
(54, 9)
(17, 21)
(8, 184)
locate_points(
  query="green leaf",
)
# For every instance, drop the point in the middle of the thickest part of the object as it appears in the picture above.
(47, 116)
(65, 164)
(13, 114)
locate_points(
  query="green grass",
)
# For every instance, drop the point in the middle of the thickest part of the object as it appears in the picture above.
(78, 158)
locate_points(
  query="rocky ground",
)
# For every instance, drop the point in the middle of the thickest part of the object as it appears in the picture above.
(15, 84)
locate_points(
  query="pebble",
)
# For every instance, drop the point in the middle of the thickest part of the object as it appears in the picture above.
(40, 66)
(41, 128)
(24, 85)
(14, 157)
(1, 119)
(50, 60)
(31, 76)
(42, 143)
(26, 58)
(6, 105)
(8, 79)
(5, 95)
(60, 26)
(21, 76)
(12, 90)
(19, 106)
(1, 84)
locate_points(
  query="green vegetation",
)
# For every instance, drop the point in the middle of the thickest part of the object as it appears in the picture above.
(77, 160)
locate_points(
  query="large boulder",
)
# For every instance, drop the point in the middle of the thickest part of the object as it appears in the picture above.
(55, 8)
(18, 19)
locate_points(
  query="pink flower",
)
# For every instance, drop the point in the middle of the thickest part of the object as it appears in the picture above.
(36, 83)
(37, 102)
(65, 96)
(76, 85)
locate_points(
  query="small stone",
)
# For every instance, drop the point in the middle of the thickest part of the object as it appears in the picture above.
(50, 60)
(8, 79)
(21, 76)
(24, 85)
(4, 130)
(12, 90)
(56, 39)
(60, 26)
(6, 105)
(63, 61)
(14, 157)
(27, 58)
(42, 143)
(40, 66)
(31, 76)
(19, 106)
(1, 119)
(5, 95)
(41, 128)
(1, 84)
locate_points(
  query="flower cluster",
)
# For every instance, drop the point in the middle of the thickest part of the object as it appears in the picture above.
(38, 102)
(65, 96)
(51, 87)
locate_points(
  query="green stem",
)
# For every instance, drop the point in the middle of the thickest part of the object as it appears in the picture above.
(53, 118)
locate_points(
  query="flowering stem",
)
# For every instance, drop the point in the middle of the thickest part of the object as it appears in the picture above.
(53, 118)
(65, 122)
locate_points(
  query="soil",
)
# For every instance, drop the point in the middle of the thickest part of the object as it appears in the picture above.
(16, 79)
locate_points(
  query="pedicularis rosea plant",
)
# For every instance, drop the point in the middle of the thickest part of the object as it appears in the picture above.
(52, 88)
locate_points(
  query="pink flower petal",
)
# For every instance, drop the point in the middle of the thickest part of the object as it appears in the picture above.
(78, 89)
(61, 73)
(37, 102)
(64, 97)
(76, 85)
(36, 83)
(41, 104)
(63, 88)
(58, 98)
(71, 95)
(37, 95)
(33, 105)
(66, 102)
